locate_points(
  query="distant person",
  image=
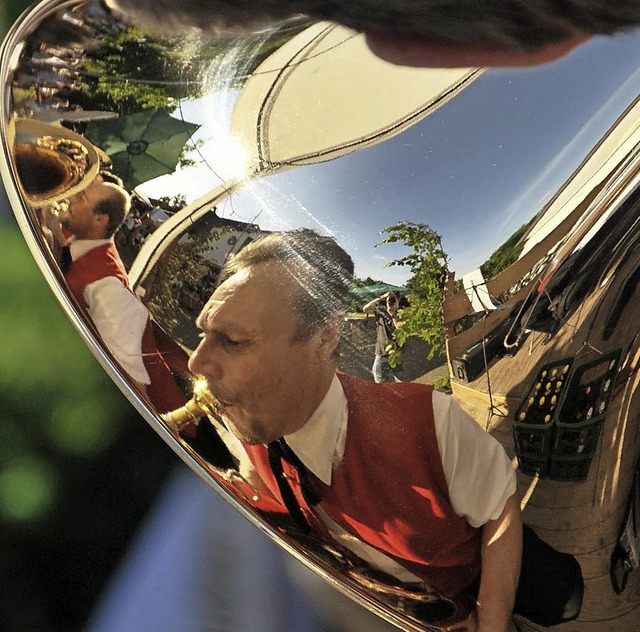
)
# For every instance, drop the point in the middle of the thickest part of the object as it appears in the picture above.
(385, 312)
(97, 277)
(446, 33)
(57, 234)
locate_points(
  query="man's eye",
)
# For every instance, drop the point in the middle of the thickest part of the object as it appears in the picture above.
(222, 339)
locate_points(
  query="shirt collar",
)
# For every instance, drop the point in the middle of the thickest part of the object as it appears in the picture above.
(80, 247)
(320, 442)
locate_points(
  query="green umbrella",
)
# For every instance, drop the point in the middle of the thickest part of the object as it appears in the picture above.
(367, 293)
(142, 146)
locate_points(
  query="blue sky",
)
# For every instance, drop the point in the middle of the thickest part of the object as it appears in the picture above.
(475, 170)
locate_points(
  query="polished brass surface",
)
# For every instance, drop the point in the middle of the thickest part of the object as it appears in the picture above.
(529, 178)
(202, 403)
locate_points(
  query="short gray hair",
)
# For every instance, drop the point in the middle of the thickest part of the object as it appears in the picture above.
(319, 269)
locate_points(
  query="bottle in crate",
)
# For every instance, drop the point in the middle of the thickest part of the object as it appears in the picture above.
(533, 425)
(581, 418)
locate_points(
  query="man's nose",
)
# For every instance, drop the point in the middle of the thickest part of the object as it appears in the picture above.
(203, 361)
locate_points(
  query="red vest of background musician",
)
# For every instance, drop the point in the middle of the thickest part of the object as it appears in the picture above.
(104, 261)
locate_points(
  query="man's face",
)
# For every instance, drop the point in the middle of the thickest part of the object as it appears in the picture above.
(269, 382)
(80, 218)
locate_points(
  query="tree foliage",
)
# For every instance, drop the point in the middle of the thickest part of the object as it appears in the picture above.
(505, 255)
(186, 280)
(131, 71)
(428, 263)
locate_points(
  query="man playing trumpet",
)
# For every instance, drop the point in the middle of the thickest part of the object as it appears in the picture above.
(98, 279)
(396, 473)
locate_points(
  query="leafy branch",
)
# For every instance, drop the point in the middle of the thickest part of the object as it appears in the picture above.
(428, 263)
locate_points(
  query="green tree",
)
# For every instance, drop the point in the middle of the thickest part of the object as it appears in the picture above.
(358, 282)
(131, 71)
(506, 254)
(428, 263)
(186, 279)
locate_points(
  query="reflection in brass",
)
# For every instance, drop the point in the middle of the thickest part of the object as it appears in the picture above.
(237, 480)
(56, 170)
(561, 197)
(410, 598)
(404, 597)
(418, 601)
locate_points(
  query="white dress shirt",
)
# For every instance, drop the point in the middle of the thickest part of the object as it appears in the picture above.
(478, 472)
(117, 314)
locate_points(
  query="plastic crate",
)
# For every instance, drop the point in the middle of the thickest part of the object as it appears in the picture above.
(577, 439)
(581, 418)
(569, 468)
(533, 465)
(534, 422)
(588, 393)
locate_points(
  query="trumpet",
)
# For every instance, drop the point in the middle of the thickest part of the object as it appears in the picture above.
(202, 403)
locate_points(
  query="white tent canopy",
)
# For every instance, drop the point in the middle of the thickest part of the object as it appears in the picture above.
(324, 94)
(320, 96)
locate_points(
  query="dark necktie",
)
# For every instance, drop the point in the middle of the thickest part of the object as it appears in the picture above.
(65, 259)
(277, 451)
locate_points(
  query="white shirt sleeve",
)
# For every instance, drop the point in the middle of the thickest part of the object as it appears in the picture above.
(478, 471)
(120, 319)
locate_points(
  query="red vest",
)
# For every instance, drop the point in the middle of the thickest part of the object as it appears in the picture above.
(104, 261)
(94, 265)
(390, 489)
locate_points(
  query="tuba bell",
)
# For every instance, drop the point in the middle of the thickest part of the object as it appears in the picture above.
(52, 162)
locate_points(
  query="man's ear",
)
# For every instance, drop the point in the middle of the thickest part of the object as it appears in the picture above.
(101, 220)
(330, 334)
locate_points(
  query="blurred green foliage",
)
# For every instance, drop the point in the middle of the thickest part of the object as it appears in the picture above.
(79, 468)
(47, 377)
(9, 12)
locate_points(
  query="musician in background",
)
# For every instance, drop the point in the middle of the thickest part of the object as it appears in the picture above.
(98, 279)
